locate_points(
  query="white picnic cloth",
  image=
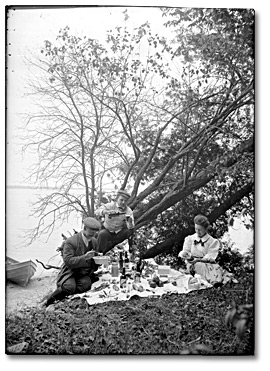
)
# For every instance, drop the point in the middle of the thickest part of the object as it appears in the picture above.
(109, 294)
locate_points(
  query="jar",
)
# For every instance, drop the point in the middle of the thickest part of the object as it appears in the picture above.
(182, 281)
(193, 283)
(106, 262)
(115, 269)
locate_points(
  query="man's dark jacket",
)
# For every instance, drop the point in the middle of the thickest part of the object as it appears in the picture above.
(75, 263)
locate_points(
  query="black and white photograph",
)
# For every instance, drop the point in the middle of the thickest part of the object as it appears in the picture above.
(130, 181)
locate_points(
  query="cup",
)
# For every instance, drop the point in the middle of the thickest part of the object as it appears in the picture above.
(106, 262)
(194, 283)
(181, 281)
(101, 259)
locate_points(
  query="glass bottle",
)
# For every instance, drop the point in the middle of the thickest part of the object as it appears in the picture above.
(132, 254)
(126, 262)
(123, 279)
(121, 262)
(139, 266)
(137, 278)
(129, 286)
(115, 269)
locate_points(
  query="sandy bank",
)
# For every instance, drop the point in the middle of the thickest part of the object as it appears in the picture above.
(18, 297)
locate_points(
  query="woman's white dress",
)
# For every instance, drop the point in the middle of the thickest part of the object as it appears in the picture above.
(206, 247)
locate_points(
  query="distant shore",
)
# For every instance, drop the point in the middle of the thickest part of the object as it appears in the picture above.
(23, 186)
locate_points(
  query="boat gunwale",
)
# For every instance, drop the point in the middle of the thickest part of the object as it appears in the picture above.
(20, 272)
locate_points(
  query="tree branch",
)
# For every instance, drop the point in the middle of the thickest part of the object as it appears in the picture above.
(168, 244)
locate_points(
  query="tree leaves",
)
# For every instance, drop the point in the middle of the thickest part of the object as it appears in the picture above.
(162, 117)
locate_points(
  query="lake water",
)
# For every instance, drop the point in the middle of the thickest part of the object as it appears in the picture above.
(18, 220)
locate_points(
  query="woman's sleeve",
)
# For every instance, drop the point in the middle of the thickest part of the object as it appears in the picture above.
(213, 250)
(186, 248)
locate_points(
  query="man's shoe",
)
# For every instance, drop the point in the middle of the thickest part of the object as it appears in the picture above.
(94, 278)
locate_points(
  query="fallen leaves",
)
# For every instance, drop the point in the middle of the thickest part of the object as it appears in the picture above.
(17, 348)
(240, 317)
(192, 323)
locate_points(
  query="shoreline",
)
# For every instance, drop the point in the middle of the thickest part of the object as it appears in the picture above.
(18, 297)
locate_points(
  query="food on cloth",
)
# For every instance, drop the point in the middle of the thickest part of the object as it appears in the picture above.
(101, 287)
(156, 279)
(137, 287)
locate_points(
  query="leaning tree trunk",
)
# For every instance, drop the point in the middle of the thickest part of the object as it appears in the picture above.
(144, 215)
(169, 243)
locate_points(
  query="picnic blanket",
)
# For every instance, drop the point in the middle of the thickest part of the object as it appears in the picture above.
(176, 282)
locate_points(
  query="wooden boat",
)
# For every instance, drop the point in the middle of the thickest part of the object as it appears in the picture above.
(20, 272)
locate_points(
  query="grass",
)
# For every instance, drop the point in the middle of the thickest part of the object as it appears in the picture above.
(187, 324)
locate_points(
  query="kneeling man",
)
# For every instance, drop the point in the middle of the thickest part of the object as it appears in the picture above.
(76, 274)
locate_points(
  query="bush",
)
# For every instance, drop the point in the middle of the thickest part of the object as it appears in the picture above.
(233, 261)
(230, 259)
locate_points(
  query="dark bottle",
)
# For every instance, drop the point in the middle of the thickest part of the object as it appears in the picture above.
(121, 262)
(132, 254)
(139, 266)
(126, 262)
(123, 279)
(137, 277)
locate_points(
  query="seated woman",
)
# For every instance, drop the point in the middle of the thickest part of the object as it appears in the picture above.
(200, 251)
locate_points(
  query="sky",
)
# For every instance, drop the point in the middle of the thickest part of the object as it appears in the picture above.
(27, 29)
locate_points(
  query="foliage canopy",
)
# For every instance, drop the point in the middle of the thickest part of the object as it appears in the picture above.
(169, 119)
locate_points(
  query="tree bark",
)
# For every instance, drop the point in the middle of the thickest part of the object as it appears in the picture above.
(167, 245)
(144, 215)
(149, 212)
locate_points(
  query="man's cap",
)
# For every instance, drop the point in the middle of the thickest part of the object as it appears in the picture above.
(92, 223)
(123, 193)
